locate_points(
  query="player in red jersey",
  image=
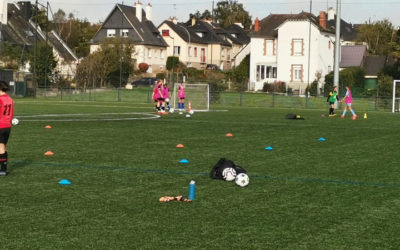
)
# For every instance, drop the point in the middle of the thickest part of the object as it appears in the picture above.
(6, 115)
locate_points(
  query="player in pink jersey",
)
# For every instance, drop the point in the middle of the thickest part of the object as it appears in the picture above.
(158, 96)
(348, 99)
(6, 116)
(166, 96)
(181, 96)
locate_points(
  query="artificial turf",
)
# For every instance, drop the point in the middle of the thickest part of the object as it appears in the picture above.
(342, 193)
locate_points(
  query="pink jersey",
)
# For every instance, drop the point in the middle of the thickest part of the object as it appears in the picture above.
(156, 91)
(166, 92)
(348, 97)
(181, 92)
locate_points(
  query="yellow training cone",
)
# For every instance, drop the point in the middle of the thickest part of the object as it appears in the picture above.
(365, 116)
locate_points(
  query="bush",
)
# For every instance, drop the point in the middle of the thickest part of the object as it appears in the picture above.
(277, 87)
(143, 67)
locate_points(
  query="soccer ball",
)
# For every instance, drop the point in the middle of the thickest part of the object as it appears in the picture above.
(242, 179)
(191, 112)
(187, 115)
(14, 121)
(229, 174)
(171, 110)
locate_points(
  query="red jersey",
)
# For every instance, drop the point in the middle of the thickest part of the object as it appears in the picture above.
(6, 111)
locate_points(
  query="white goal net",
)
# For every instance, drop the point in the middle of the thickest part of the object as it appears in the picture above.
(396, 98)
(198, 95)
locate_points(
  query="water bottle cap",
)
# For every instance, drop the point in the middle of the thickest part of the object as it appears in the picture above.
(192, 182)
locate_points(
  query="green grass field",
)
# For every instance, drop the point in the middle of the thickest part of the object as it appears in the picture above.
(305, 194)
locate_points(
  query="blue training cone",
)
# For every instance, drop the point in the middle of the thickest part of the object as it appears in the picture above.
(184, 161)
(64, 182)
(269, 148)
(322, 139)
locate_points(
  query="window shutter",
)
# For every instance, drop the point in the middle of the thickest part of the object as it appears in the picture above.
(292, 48)
(274, 48)
(265, 47)
(291, 74)
(301, 74)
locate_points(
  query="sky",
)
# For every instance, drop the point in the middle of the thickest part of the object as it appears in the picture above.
(353, 11)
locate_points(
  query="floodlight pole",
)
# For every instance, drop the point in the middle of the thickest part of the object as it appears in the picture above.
(337, 46)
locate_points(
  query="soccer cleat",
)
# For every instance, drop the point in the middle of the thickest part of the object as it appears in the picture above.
(3, 173)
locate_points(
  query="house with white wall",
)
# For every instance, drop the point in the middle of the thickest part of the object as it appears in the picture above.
(201, 42)
(292, 48)
(134, 22)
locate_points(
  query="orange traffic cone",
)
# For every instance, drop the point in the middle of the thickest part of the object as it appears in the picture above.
(47, 126)
(229, 135)
(189, 106)
(180, 146)
(48, 153)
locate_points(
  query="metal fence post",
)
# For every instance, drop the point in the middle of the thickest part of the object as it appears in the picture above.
(241, 99)
(306, 99)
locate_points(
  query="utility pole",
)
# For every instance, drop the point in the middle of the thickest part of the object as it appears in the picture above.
(337, 46)
(35, 83)
(47, 56)
(309, 50)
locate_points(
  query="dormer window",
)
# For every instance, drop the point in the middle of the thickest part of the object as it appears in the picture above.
(124, 33)
(200, 34)
(110, 33)
(234, 35)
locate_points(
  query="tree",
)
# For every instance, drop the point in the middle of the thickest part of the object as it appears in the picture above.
(102, 68)
(13, 56)
(229, 12)
(45, 65)
(381, 36)
(240, 74)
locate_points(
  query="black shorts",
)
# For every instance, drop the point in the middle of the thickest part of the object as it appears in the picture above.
(4, 134)
(331, 103)
(161, 99)
(181, 98)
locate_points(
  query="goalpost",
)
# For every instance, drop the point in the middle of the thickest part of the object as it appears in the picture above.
(394, 98)
(197, 94)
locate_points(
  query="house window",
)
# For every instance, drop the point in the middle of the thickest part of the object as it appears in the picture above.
(268, 47)
(177, 50)
(258, 73)
(124, 33)
(162, 55)
(150, 53)
(297, 73)
(264, 72)
(223, 53)
(110, 33)
(189, 50)
(195, 51)
(165, 32)
(200, 34)
(297, 47)
(203, 55)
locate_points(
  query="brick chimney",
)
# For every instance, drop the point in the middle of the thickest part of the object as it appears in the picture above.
(256, 25)
(138, 7)
(3, 12)
(149, 12)
(322, 19)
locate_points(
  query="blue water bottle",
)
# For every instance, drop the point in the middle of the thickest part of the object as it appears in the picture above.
(192, 190)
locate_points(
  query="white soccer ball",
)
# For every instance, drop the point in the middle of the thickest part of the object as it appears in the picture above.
(171, 110)
(242, 179)
(14, 121)
(187, 116)
(191, 112)
(229, 174)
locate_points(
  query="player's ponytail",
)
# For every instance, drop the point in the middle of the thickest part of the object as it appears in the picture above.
(4, 86)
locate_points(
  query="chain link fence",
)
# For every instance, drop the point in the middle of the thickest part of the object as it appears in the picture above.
(142, 95)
